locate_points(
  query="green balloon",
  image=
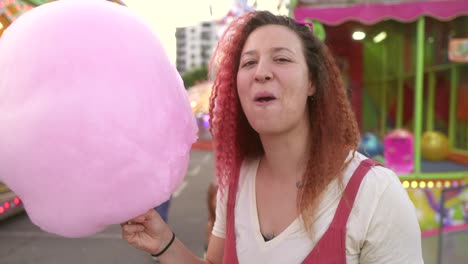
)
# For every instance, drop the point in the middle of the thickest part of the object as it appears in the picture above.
(319, 29)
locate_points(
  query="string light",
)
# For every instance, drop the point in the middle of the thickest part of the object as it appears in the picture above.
(406, 184)
(430, 185)
(447, 184)
(359, 35)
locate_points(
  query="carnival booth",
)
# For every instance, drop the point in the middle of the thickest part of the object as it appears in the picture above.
(10, 10)
(406, 65)
(199, 96)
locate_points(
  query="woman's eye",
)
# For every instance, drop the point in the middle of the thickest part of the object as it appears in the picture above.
(248, 63)
(282, 60)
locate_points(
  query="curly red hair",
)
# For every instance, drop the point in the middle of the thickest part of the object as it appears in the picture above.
(333, 125)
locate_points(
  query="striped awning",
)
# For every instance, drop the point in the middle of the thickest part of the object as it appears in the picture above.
(334, 12)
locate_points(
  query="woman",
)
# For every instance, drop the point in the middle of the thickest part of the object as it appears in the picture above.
(293, 189)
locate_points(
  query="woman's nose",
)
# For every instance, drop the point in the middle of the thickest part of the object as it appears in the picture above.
(262, 77)
(263, 73)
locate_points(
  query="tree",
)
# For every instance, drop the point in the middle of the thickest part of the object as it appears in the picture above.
(192, 77)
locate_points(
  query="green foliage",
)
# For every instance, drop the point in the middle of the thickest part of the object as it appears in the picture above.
(195, 76)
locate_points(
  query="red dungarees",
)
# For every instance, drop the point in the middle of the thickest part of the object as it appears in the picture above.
(331, 248)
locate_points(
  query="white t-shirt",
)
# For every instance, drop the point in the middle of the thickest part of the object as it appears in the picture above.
(382, 226)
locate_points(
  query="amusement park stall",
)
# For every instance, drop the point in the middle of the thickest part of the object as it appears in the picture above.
(10, 10)
(199, 96)
(406, 66)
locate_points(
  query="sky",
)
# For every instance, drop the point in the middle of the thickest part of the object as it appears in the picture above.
(163, 16)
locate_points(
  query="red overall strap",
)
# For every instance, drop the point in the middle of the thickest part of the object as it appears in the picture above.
(230, 253)
(331, 248)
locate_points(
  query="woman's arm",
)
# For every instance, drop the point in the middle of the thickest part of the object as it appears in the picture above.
(393, 235)
(215, 250)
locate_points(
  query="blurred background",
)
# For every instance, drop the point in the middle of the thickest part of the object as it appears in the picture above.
(405, 66)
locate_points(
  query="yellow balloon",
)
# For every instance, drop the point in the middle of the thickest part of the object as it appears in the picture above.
(434, 146)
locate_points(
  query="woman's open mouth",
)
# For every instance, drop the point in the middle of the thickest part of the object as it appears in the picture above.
(264, 98)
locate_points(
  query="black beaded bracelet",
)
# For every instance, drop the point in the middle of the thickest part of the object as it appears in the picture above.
(168, 245)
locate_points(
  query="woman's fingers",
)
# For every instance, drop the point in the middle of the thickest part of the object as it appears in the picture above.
(126, 223)
(134, 228)
(151, 214)
(144, 224)
(131, 230)
(139, 219)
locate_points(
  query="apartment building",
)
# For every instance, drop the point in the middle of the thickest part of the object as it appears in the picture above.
(195, 44)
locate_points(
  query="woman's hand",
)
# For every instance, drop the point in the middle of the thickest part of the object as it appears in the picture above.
(147, 232)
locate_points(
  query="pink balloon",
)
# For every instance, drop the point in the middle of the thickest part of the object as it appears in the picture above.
(95, 124)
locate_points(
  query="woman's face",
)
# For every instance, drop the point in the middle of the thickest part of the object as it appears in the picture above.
(273, 81)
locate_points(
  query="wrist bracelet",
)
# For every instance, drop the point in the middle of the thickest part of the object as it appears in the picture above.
(167, 247)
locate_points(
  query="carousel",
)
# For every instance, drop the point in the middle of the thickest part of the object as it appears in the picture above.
(405, 63)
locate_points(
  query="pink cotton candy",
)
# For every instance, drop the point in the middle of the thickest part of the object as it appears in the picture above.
(95, 124)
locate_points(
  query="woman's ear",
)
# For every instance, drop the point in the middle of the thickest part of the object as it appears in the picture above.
(311, 90)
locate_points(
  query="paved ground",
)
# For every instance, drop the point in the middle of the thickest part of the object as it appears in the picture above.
(455, 248)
